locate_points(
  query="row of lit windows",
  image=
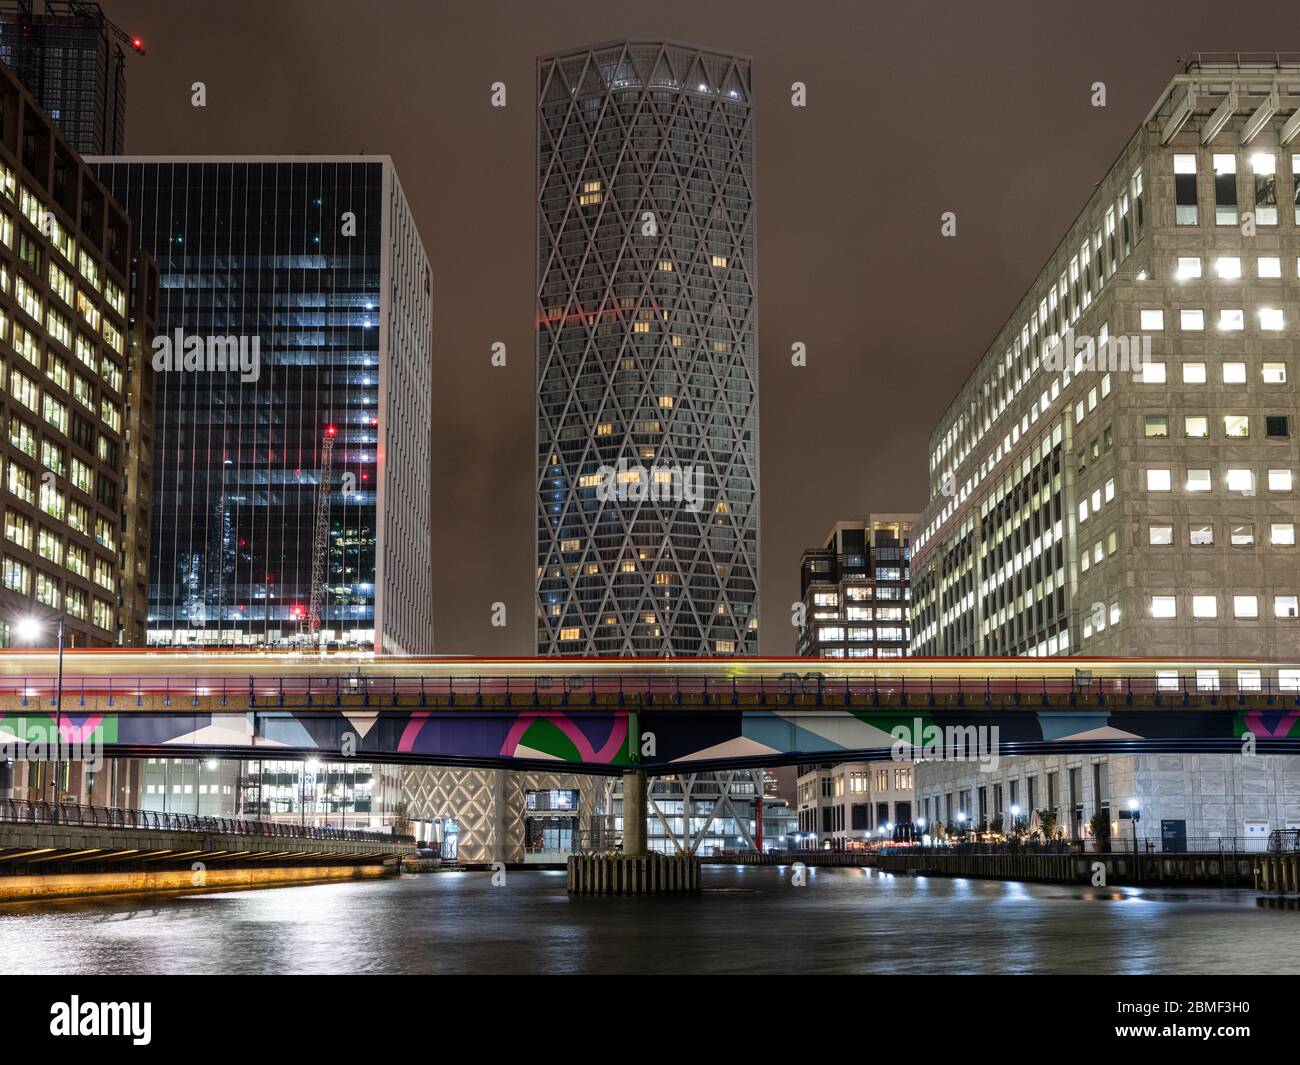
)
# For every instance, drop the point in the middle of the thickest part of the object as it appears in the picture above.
(1240, 534)
(836, 633)
(1239, 479)
(1262, 170)
(17, 577)
(1231, 319)
(1243, 607)
(1197, 426)
(1228, 267)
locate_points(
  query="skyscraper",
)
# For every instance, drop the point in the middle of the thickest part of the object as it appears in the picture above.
(68, 59)
(76, 310)
(295, 308)
(647, 363)
(1118, 476)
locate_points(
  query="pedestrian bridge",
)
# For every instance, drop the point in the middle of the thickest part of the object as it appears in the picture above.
(665, 715)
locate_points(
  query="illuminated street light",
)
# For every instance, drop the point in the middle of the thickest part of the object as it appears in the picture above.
(30, 628)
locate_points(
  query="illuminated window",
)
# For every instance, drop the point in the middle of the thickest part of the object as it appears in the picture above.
(719, 261)
(1185, 190)
(1241, 481)
(590, 192)
(1225, 190)
(1263, 166)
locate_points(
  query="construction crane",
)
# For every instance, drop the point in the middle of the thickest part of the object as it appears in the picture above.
(320, 545)
(80, 9)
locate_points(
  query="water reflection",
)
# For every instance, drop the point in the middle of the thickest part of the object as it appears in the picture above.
(746, 920)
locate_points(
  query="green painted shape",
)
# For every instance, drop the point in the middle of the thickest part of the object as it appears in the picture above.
(888, 720)
(19, 727)
(545, 737)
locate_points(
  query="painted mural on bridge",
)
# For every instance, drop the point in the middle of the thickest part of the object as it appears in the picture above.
(601, 737)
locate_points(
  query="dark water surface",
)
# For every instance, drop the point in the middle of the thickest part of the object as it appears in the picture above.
(747, 920)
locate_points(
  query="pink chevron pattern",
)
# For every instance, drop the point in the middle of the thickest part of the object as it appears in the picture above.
(1255, 722)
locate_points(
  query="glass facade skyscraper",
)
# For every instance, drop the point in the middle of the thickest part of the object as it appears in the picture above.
(647, 363)
(67, 59)
(309, 274)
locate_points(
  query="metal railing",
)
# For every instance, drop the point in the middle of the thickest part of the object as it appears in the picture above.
(24, 812)
(1173, 688)
(1278, 842)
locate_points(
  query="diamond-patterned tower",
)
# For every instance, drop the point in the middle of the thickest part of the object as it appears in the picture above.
(647, 361)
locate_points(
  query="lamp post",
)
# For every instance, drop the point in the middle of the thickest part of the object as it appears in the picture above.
(31, 628)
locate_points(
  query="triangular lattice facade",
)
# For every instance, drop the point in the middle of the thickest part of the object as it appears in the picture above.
(647, 367)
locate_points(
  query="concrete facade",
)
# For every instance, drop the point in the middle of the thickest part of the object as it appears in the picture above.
(1139, 498)
(1214, 796)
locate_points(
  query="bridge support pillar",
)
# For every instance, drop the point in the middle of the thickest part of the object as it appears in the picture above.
(634, 814)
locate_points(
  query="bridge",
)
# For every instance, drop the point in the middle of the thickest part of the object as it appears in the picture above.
(50, 850)
(660, 716)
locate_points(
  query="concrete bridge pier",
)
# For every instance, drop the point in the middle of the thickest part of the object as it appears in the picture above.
(634, 871)
(634, 812)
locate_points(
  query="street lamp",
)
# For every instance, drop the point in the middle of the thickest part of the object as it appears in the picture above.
(1134, 814)
(1015, 820)
(30, 628)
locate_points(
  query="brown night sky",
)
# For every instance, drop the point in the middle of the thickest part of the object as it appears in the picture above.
(913, 110)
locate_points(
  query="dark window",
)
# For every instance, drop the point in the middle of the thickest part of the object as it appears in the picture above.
(1277, 425)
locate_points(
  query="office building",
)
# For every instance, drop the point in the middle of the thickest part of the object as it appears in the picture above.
(68, 58)
(843, 807)
(1118, 475)
(294, 314)
(75, 322)
(856, 590)
(1185, 801)
(647, 367)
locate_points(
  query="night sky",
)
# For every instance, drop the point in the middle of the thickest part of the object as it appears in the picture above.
(978, 108)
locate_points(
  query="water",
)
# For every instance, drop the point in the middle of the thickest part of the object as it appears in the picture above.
(747, 919)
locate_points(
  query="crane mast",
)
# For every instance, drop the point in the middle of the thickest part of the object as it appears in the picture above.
(321, 538)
